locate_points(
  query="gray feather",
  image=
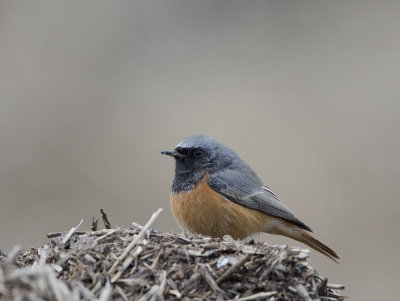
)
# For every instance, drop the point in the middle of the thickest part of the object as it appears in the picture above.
(240, 184)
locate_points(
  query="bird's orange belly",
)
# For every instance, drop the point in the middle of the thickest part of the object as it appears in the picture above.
(204, 211)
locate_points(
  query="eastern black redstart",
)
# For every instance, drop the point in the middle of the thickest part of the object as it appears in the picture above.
(216, 193)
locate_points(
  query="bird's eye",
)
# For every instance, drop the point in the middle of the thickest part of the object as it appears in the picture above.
(197, 152)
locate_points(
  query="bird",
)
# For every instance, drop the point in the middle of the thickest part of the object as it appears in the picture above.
(216, 193)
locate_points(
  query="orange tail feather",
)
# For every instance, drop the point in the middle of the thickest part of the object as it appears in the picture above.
(296, 233)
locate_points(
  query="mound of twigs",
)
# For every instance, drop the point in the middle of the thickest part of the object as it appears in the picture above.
(143, 264)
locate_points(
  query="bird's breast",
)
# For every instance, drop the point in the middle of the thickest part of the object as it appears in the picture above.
(204, 211)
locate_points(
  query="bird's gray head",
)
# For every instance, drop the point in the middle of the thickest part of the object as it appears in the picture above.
(201, 153)
(197, 155)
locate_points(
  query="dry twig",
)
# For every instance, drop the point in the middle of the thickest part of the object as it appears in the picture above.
(135, 240)
(106, 222)
(152, 265)
(70, 233)
(233, 269)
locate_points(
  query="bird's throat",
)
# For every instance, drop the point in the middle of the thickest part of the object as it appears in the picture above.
(185, 181)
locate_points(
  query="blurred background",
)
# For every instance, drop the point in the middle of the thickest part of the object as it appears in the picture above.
(307, 92)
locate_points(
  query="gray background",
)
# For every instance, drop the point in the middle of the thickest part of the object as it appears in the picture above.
(307, 92)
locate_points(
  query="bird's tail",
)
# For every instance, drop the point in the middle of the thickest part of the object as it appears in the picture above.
(294, 232)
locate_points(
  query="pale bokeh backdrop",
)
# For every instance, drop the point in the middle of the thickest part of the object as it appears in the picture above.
(307, 92)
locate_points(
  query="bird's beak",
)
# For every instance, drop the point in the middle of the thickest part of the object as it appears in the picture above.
(173, 153)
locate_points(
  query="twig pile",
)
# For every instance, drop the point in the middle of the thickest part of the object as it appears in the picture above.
(142, 264)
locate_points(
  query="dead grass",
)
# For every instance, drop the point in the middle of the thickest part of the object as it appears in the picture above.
(143, 264)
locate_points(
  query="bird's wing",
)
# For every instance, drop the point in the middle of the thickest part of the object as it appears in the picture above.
(242, 186)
